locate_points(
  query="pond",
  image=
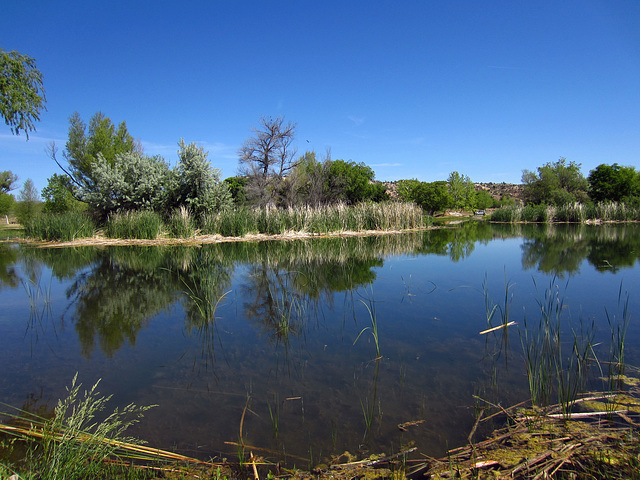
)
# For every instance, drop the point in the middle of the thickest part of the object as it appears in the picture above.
(305, 348)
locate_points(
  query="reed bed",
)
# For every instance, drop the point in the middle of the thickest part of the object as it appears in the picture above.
(135, 224)
(318, 220)
(570, 213)
(64, 227)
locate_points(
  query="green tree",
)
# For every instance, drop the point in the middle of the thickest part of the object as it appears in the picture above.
(22, 96)
(58, 197)
(461, 190)
(28, 202)
(613, 183)
(557, 183)
(483, 200)
(237, 187)
(7, 181)
(195, 184)
(87, 148)
(6, 203)
(432, 197)
(352, 182)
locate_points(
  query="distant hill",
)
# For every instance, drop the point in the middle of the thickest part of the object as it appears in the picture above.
(499, 191)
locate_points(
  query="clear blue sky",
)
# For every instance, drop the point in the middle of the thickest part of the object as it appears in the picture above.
(415, 89)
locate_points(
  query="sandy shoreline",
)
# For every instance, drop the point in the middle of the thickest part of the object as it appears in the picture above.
(102, 241)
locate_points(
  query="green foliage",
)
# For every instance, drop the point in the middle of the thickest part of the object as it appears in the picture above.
(484, 200)
(22, 95)
(237, 186)
(557, 183)
(62, 227)
(195, 184)
(461, 190)
(73, 445)
(132, 181)
(58, 196)
(7, 201)
(102, 143)
(614, 183)
(141, 225)
(7, 181)
(351, 181)
(28, 204)
(432, 197)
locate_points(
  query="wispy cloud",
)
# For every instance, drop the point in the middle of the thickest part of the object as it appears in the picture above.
(356, 120)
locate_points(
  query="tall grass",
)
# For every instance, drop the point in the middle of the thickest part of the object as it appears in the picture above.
(73, 444)
(325, 219)
(62, 227)
(549, 367)
(181, 224)
(570, 213)
(134, 224)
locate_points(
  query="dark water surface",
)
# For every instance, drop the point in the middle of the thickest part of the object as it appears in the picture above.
(204, 332)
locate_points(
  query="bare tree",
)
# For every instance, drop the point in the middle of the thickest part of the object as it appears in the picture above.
(266, 158)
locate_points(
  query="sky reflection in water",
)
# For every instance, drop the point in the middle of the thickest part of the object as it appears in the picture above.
(202, 332)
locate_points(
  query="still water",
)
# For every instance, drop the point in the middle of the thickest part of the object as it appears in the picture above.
(283, 334)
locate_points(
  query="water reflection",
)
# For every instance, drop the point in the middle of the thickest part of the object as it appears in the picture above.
(200, 329)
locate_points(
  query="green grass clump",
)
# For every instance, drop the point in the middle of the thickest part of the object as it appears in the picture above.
(139, 225)
(181, 224)
(72, 444)
(63, 227)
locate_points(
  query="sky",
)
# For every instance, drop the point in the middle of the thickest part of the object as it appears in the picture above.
(414, 89)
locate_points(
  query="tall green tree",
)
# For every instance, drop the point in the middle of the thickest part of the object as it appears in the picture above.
(22, 95)
(88, 147)
(461, 190)
(614, 183)
(557, 183)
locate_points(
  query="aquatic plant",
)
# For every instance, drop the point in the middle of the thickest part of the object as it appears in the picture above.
(181, 223)
(63, 227)
(134, 224)
(72, 444)
(371, 308)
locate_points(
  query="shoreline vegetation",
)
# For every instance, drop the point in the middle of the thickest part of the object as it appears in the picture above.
(257, 224)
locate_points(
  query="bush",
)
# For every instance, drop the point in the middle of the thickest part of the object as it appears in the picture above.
(63, 227)
(139, 225)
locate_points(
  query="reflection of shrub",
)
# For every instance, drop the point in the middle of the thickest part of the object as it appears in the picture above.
(142, 224)
(60, 226)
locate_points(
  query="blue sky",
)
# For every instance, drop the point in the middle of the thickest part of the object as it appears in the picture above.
(414, 89)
